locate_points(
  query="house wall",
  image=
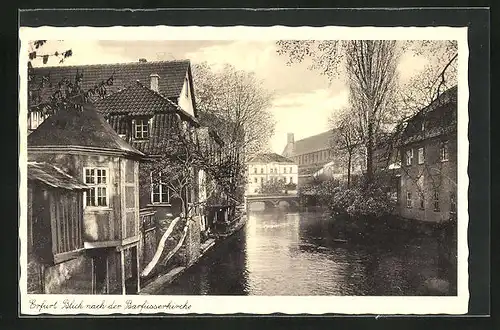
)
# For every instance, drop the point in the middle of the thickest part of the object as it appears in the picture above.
(104, 223)
(70, 277)
(186, 99)
(425, 178)
(259, 173)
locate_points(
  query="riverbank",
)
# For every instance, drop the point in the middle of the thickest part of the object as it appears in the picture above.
(154, 285)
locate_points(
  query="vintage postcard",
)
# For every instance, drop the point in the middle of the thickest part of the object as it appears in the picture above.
(295, 170)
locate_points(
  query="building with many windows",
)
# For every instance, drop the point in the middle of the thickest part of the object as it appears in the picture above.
(271, 167)
(313, 155)
(428, 181)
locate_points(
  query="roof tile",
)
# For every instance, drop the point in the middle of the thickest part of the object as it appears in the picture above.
(172, 75)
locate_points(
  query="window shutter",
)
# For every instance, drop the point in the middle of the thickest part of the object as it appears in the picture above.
(133, 129)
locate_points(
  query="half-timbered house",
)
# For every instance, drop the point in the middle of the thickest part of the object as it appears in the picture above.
(84, 205)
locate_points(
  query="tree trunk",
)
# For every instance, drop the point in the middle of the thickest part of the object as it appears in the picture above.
(349, 170)
(369, 154)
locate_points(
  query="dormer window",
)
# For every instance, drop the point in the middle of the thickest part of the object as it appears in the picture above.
(141, 128)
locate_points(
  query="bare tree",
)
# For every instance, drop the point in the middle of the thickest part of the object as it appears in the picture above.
(234, 103)
(370, 70)
(239, 98)
(378, 99)
(348, 142)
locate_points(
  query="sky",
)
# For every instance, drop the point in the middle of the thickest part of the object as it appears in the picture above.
(303, 99)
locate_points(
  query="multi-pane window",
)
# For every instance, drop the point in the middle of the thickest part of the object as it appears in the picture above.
(409, 157)
(408, 200)
(261, 180)
(284, 170)
(141, 128)
(261, 170)
(97, 195)
(436, 201)
(443, 152)
(453, 202)
(420, 184)
(291, 179)
(255, 180)
(35, 118)
(160, 193)
(291, 170)
(420, 155)
(255, 170)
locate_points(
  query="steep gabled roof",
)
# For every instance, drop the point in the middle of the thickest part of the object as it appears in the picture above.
(172, 74)
(136, 100)
(79, 128)
(53, 176)
(270, 158)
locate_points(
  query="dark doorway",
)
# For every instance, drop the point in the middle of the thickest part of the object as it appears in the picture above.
(100, 274)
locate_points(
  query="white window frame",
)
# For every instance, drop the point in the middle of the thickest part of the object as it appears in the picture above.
(444, 147)
(409, 157)
(420, 155)
(143, 123)
(436, 200)
(453, 201)
(161, 186)
(409, 201)
(35, 119)
(95, 186)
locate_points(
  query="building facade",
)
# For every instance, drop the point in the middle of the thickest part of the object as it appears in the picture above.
(84, 234)
(145, 102)
(428, 171)
(315, 155)
(271, 167)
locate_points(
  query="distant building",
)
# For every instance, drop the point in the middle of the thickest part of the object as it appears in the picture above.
(315, 156)
(83, 206)
(428, 182)
(271, 167)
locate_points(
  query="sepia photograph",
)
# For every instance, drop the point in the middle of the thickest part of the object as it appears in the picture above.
(285, 166)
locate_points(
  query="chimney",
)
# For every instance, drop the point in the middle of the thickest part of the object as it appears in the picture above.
(142, 60)
(290, 139)
(154, 81)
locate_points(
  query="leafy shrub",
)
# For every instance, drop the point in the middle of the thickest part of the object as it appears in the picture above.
(358, 201)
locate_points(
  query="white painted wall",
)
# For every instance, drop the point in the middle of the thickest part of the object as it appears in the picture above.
(185, 99)
(259, 173)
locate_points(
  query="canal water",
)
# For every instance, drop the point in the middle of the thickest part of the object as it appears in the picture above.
(283, 253)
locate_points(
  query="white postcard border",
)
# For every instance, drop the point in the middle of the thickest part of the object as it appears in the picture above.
(253, 304)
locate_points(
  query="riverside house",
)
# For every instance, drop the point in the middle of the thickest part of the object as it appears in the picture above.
(267, 167)
(144, 101)
(83, 206)
(429, 167)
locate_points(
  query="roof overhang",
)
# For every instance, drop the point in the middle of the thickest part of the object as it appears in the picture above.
(69, 149)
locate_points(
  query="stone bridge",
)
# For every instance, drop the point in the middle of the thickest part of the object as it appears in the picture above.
(275, 201)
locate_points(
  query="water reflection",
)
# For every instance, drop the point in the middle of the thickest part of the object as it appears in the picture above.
(298, 254)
